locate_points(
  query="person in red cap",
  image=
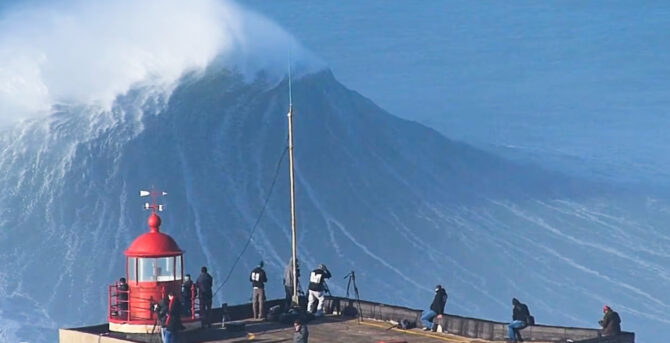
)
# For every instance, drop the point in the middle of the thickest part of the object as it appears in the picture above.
(611, 322)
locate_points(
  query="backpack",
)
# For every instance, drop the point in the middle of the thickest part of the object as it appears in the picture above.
(530, 320)
(406, 324)
(274, 312)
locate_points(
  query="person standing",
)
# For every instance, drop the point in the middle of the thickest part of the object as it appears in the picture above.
(204, 284)
(436, 309)
(301, 334)
(520, 319)
(258, 280)
(187, 294)
(122, 291)
(288, 281)
(162, 309)
(316, 288)
(173, 320)
(611, 322)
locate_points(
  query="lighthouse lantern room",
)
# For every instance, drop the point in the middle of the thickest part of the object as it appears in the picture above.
(154, 268)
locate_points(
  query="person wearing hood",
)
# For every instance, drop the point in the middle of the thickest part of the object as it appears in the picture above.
(520, 319)
(258, 280)
(317, 288)
(611, 322)
(436, 309)
(300, 333)
(288, 281)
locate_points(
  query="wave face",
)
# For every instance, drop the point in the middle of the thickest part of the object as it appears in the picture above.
(393, 200)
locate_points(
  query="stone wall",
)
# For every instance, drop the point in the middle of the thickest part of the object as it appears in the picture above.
(477, 328)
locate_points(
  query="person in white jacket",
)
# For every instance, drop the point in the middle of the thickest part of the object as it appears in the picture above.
(316, 288)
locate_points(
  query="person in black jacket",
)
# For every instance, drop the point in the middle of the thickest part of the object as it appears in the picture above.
(161, 309)
(173, 320)
(316, 289)
(436, 308)
(188, 292)
(611, 322)
(122, 291)
(204, 284)
(520, 319)
(258, 280)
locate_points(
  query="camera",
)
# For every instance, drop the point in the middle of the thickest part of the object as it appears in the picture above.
(155, 307)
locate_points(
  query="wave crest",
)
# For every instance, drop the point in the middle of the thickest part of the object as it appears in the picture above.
(90, 52)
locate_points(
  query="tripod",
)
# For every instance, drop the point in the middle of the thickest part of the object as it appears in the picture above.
(153, 332)
(352, 281)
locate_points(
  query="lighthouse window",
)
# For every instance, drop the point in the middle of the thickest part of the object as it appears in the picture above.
(132, 271)
(146, 268)
(177, 268)
(166, 268)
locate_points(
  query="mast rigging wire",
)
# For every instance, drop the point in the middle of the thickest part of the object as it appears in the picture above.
(258, 219)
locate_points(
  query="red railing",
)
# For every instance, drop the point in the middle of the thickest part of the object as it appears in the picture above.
(119, 308)
(193, 298)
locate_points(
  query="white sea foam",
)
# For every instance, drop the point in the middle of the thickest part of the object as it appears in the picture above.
(91, 51)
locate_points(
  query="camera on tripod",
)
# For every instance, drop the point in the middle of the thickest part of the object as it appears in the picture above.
(156, 308)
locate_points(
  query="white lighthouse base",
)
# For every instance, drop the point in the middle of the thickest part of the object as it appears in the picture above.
(146, 328)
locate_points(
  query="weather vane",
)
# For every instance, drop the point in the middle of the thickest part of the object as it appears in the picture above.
(154, 206)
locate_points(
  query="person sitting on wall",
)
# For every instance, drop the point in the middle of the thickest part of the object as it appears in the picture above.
(611, 322)
(436, 309)
(521, 318)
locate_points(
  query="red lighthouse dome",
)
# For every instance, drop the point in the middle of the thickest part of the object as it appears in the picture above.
(153, 243)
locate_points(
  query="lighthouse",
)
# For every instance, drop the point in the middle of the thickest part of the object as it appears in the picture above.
(154, 268)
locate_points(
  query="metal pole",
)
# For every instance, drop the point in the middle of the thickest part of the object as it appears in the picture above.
(293, 219)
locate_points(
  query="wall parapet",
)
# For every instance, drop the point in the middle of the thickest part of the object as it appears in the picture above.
(475, 327)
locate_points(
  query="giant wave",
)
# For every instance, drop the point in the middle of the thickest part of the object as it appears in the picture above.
(403, 206)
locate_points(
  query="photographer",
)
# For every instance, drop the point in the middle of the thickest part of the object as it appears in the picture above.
(161, 309)
(173, 319)
(317, 288)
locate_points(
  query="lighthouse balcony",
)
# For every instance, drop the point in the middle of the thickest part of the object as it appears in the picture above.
(134, 310)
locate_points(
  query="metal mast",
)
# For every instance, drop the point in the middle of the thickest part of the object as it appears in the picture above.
(294, 243)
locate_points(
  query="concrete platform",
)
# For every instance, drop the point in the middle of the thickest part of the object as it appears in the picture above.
(327, 329)
(375, 328)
